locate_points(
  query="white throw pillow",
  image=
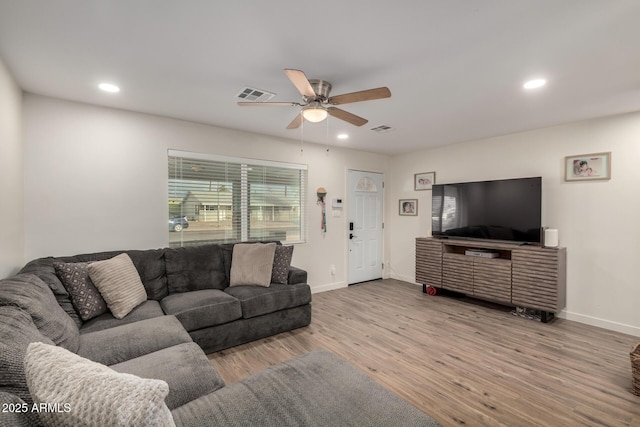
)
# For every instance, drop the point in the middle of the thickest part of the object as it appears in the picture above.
(119, 284)
(252, 263)
(86, 393)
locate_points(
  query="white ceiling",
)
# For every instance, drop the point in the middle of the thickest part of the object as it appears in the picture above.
(455, 68)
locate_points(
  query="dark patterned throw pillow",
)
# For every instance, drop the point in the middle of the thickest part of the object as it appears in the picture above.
(281, 263)
(83, 293)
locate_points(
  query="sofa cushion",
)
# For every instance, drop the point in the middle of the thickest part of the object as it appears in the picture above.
(94, 393)
(43, 268)
(281, 264)
(151, 268)
(149, 263)
(184, 367)
(242, 331)
(17, 331)
(84, 295)
(115, 345)
(252, 264)
(119, 284)
(258, 300)
(34, 296)
(195, 268)
(147, 310)
(201, 309)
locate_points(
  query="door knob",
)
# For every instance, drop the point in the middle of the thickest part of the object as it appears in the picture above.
(351, 236)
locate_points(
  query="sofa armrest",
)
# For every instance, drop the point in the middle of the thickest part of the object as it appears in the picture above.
(296, 275)
(125, 342)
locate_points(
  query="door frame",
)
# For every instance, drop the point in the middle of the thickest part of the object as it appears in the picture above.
(346, 222)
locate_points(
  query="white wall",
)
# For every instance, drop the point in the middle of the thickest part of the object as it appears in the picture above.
(96, 179)
(598, 221)
(12, 247)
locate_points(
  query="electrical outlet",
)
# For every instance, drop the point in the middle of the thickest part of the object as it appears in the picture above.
(333, 270)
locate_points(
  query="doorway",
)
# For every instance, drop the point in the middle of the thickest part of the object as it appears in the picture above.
(364, 220)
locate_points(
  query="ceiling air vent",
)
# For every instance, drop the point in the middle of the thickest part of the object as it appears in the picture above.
(255, 95)
(382, 129)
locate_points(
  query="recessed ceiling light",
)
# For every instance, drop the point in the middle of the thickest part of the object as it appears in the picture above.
(108, 87)
(534, 84)
(343, 136)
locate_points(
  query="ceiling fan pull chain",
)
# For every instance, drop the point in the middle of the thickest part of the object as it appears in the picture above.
(301, 135)
(326, 138)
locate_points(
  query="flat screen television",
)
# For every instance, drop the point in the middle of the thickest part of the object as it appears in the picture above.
(507, 210)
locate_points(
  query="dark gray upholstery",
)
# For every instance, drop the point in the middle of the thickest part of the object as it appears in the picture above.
(243, 331)
(17, 331)
(115, 345)
(147, 310)
(317, 389)
(185, 270)
(258, 300)
(149, 263)
(184, 367)
(151, 267)
(17, 418)
(201, 309)
(194, 268)
(31, 294)
(43, 268)
(189, 283)
(297, 275)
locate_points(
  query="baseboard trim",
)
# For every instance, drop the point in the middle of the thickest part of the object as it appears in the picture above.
(600, 323)
(407, 279)
(576, 317)
(328, 287)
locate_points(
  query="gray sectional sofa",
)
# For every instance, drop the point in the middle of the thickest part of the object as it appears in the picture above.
(159, 347)
(192, 283)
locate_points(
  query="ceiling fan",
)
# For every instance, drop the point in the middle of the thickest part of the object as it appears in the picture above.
(317, 103)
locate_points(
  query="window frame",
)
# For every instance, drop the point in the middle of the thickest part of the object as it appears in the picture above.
(245, 165)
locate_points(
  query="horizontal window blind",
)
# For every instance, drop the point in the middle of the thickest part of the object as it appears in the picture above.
(224, 199)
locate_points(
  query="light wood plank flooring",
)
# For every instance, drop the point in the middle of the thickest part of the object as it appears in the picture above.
(459, 360)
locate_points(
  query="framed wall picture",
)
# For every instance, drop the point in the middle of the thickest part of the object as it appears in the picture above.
(408, 207)
(424, 181)
(587, 167)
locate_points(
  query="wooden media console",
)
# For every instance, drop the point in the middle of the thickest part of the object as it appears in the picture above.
(527, 276)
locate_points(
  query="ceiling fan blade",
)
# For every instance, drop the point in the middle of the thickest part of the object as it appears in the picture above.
(363, 95)
(268, 104)
(346, 116)
(301, 82)
(296, 122)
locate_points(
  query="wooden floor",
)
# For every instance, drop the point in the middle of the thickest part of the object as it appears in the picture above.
(460, 361)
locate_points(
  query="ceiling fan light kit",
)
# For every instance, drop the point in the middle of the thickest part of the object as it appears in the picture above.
(314, 113)
(317, 104)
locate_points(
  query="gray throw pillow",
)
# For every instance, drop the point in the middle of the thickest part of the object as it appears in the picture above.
(119, 284)
(31, 294)
(93, 394)
(84, 295)
(17, 331)
(252, 264)
(281, 264)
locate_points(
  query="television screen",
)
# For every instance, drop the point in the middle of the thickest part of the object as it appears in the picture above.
(505, 210)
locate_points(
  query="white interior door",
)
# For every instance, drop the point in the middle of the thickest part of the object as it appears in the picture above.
(364, 229)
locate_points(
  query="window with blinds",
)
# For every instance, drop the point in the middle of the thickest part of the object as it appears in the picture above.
(214, 199)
